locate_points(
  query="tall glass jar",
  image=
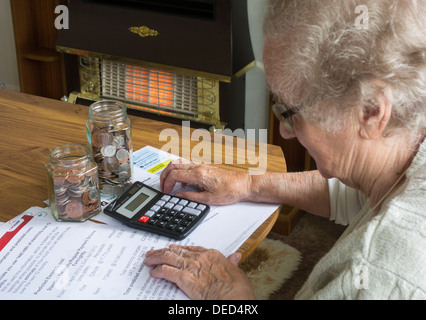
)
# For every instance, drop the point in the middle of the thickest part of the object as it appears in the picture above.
(73, 185)
(109, 132)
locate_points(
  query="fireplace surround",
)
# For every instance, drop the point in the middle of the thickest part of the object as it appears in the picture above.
(169, 59)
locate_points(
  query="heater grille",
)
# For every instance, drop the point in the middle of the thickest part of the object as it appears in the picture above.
(152, 90)
(151, 87)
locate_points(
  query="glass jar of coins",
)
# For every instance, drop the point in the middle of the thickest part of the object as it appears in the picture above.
(110, 136)
(73, 183)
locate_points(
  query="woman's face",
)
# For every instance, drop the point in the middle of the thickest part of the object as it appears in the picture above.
(330, 150)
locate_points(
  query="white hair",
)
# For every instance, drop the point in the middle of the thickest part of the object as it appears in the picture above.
(326, 51)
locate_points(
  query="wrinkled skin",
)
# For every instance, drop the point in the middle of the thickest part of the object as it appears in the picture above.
(200, 273)
(218, 186)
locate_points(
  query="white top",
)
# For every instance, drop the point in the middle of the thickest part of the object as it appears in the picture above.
(379, 256)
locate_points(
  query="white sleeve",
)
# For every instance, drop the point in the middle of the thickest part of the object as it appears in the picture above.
(345, 202)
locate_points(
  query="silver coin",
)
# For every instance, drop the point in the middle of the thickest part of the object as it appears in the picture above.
(60, 190)
(123, 177)
(118, 141)
(124, 167)
(61, 200)
(122, 155)
(107, 189)
(109, 164)
(111, 190)
(77, 191)
(93, 194)
(108, 151)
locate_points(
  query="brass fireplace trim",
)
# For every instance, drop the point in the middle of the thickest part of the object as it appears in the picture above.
(207, 111)
(216, 124)
(144, 31)
(173, 69)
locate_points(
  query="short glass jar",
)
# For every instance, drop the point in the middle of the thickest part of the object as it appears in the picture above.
(109, 132)
(73, 184)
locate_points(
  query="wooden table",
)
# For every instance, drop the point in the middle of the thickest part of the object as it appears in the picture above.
(31, 126)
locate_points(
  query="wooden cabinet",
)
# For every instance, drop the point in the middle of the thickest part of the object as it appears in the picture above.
(41, 67)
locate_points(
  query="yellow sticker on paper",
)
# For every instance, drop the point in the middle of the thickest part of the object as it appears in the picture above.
(159, 166)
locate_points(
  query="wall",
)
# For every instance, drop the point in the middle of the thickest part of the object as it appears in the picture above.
(257, 96)
(8, 64)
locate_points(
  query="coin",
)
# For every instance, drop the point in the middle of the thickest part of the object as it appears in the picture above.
(93, 194)
(77, 191)
(118, 141)
(124, 167)
(123, 177)
(122, 155)
(101, 138)
(62, 200)
(74, 178)
(108, 151)
(60, 190)
(109, 164)
(74, 209)
(58, 176)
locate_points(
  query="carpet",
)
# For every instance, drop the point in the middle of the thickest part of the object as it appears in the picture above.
(269, 266)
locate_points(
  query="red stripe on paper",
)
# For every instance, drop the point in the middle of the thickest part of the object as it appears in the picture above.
(5, 239)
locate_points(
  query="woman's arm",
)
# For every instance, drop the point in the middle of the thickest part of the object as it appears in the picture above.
(305, 190)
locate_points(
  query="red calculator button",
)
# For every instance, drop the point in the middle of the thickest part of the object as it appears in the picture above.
(144, 219)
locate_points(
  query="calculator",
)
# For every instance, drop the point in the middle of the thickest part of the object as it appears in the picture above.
(146, 208)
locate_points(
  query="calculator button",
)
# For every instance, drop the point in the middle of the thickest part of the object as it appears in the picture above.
(163, 210)
(174, 200)
(160, 203)
(165, 197)
(191, 217)
(201, 207)
(171, 226)
(178, 207)
(186, 223)
(152, 221)
(155, 208)
(167, 217)
(192, 205)
(183, 202)
(169, 205)
(149, 213)
(181, 215)
(144, 219)
(157, 215)
(176, 220)
(180, 229)
(191, 211)
(173, 212)
(161, 223)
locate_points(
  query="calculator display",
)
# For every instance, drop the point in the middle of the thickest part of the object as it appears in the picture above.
(136, 202)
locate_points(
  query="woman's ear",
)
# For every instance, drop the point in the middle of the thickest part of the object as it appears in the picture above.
(374, 116)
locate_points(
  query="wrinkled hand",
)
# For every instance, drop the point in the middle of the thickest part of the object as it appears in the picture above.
(218, 186)
(200, 273)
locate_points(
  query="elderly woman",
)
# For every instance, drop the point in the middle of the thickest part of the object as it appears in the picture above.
(352, 90)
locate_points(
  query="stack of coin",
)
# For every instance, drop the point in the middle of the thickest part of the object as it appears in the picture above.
(112, 151)
(76, 192)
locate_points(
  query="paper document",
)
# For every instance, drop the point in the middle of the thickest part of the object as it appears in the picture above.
(41, 258)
